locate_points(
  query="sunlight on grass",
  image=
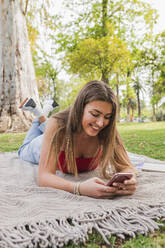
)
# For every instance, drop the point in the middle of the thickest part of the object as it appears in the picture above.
(144, 138)
(11, 141)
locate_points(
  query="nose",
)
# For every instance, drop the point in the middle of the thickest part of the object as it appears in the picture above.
(100, 122)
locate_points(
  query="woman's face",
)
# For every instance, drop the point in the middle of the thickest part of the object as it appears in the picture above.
(96, 116)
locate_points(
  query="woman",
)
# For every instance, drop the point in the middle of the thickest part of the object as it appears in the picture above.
(78, 139)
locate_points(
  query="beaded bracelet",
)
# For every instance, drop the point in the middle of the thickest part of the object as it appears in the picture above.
(76, 188)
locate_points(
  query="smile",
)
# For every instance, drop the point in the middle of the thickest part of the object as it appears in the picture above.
(95, 128)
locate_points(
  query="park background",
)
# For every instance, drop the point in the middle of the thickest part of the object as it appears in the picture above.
(50, 49)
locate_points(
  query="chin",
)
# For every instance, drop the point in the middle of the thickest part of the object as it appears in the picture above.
(92, 133)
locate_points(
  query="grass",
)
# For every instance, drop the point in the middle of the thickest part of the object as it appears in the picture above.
(11, 141)
(141, 138)
(144, 138)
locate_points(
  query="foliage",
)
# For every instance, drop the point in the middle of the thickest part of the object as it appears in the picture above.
(89, 56)
(46, 76)
(90, 40)
(95, 58)
(69, 92)
(129, 100)
(87, 19)
(38, 16)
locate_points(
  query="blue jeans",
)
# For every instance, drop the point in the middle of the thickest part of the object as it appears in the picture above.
(30, 150)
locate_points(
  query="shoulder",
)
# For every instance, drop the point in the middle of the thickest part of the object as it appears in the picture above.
(52, 124)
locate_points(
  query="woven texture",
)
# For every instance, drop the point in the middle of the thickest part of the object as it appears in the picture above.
(32, 215)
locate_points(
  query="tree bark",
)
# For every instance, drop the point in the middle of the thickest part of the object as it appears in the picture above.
(117, 94)
(104, 17)
(104, 78)
(104, 33)
(128, 111)
(153, 112)
(138, 102)
(17, 77)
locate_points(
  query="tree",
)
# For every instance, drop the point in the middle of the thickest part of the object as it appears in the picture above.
(83, 36)
(38, 20)
(152, 61)
(160, 84)
(138, 88)
(129, 100)
(98, 58)
(17, 77)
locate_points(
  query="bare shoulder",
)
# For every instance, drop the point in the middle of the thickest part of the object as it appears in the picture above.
(51, 126)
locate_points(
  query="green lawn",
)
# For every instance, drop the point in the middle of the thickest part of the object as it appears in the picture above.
(11, 141)
(144, 138)
(141, 138)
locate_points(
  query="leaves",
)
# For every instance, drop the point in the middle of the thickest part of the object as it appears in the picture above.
(95, 57)
(99, 40)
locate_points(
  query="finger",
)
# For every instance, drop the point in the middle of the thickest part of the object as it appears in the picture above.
(131, 181)
(124, 192)
(100, 181)
(131, 187)
(125, 186)
(110, 189)
(107, 195)
(126, 183)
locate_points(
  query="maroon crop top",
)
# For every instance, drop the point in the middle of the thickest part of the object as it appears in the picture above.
(83, 164)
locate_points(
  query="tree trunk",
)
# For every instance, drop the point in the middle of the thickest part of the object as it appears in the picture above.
(153, 112)
(117, 94)
(139, 105)
(128, 111)
(104, 33)
(17, 77)
(104, 77)
(104, 17)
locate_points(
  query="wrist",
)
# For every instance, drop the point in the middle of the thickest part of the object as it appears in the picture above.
(76, 188)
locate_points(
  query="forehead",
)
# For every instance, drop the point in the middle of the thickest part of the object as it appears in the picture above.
(102, 106)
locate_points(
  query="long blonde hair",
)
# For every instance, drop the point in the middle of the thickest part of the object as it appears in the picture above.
(70, 122)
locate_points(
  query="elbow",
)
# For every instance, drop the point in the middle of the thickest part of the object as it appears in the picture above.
(42, 179)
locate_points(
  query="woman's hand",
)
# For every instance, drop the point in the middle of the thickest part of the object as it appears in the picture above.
(95, 187)
(126, 188)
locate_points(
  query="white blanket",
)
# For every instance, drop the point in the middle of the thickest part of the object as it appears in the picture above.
(32, 215)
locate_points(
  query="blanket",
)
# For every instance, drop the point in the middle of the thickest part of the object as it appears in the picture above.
(31, 215)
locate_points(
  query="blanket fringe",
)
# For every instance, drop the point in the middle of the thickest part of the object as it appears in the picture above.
(57, 233)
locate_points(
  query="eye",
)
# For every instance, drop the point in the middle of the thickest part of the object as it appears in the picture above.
(95, 115)
(108, 117)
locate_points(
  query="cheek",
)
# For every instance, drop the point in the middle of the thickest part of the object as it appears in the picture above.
(87, 118)
(106, 122)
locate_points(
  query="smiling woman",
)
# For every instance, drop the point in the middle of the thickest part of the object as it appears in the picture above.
(78, 139)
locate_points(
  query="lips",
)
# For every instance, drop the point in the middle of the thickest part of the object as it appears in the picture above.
(95, 128)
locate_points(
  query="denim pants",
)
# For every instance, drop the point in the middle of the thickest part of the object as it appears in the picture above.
(30, 150)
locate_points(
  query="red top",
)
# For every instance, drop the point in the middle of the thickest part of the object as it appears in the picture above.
(83, 164)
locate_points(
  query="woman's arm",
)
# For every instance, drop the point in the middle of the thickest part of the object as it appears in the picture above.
(47, 168)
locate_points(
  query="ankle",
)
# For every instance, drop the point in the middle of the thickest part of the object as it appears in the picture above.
(42, 119)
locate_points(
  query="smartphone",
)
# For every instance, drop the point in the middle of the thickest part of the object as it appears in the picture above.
(120, 178)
